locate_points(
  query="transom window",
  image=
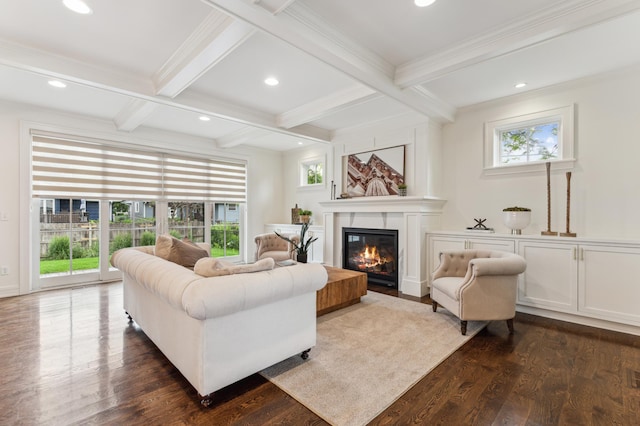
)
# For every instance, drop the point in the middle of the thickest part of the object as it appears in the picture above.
(530, 143)
(523, 143)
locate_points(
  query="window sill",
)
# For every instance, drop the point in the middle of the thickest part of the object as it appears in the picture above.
(556, 165)
(317, 186)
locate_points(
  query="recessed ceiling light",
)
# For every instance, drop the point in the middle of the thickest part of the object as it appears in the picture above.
(299, 142)
(204, 118)
(78, 6)
(424, 3)
(520, 85)
(271, 81)
(57, 83)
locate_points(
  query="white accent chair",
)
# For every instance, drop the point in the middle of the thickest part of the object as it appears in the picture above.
(270, 245)
(477, 285)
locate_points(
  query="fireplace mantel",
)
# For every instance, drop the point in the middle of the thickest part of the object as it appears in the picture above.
(388, 204)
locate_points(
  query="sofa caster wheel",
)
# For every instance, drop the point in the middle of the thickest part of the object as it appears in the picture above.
(434, 305)
(206, 400)
(305, 354)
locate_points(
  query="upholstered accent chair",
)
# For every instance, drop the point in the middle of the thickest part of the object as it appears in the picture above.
(270, 245)
(477, 285)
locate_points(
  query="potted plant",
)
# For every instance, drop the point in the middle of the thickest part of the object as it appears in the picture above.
(305, 216)
(516, 218)
(302, 247)
(402, 189)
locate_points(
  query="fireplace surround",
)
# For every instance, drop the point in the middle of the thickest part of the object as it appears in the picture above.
(412, 216)
(374, 251)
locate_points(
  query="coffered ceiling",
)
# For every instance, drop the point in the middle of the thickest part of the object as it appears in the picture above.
(342, 65)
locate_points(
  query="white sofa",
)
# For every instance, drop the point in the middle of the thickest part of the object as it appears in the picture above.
(218, 330)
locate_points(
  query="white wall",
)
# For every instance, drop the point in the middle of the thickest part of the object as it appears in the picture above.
(605, 189)
(423, 159)
(264, 176)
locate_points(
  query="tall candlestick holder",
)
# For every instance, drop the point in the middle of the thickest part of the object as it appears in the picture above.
(549, 231)
(568, 233)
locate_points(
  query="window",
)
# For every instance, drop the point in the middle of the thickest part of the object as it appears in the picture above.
(521, 144)
(96, 197)
(312, 172)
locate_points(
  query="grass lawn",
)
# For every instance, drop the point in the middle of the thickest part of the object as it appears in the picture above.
(58, 266)
(62, 265)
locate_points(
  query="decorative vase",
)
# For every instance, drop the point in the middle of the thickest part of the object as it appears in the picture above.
(305, 218)
(302, 258)
(516, 220)
(402, 192)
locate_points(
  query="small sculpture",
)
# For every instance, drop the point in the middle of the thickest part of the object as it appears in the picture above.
(480, 224)
(568, 233)
(549, 231)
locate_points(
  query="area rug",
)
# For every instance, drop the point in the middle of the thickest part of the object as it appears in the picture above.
(368, 355)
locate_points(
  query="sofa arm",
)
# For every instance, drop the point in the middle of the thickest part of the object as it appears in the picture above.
(512, 264)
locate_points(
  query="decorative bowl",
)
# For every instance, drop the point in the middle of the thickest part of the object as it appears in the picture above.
(516, 220)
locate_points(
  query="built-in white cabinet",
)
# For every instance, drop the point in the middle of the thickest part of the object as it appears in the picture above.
(551, 278)
(608, 282)
(593, 282)
(315, 253)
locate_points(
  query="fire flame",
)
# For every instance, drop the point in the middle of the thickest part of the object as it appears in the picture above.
(371, 253)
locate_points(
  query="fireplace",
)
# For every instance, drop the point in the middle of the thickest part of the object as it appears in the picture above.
(374, 251)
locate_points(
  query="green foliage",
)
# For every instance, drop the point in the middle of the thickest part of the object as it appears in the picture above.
(306, 212)
(232, 233)
(516, 209)
(314, 174)
(524, 143)
(147, 238)
(58, 248)
(301, 247)
(175, 234)
(120, 241)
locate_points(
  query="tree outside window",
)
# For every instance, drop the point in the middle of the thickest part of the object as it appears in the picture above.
(532, 143)
(312, 171)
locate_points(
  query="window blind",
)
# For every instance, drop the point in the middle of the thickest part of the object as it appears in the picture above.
(67, 167)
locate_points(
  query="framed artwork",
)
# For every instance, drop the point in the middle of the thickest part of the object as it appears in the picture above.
(375, 173)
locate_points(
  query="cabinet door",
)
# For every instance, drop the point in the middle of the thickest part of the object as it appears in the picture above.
(550, 280)
(608, 283)
(491, 244)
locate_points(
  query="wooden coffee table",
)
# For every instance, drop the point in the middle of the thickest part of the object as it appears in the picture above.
(344, 288)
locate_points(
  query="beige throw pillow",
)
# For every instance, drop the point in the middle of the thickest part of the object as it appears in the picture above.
(180, 252)
(211, 267)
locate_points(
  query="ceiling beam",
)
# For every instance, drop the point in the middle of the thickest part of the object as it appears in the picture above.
(299, 27)
(134, 114)
(325, 106)
(562, 18)
(140, 91)
(216, 37)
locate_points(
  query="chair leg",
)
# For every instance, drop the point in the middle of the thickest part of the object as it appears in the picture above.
(434, 305)
(463, 328)
(510, 325)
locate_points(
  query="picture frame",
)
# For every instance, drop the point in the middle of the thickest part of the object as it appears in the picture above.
(374, 173)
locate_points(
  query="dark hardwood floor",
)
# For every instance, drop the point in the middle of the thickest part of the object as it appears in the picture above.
(70, 357)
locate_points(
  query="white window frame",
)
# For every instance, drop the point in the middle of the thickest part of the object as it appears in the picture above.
(304, 167)
(565, 159)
